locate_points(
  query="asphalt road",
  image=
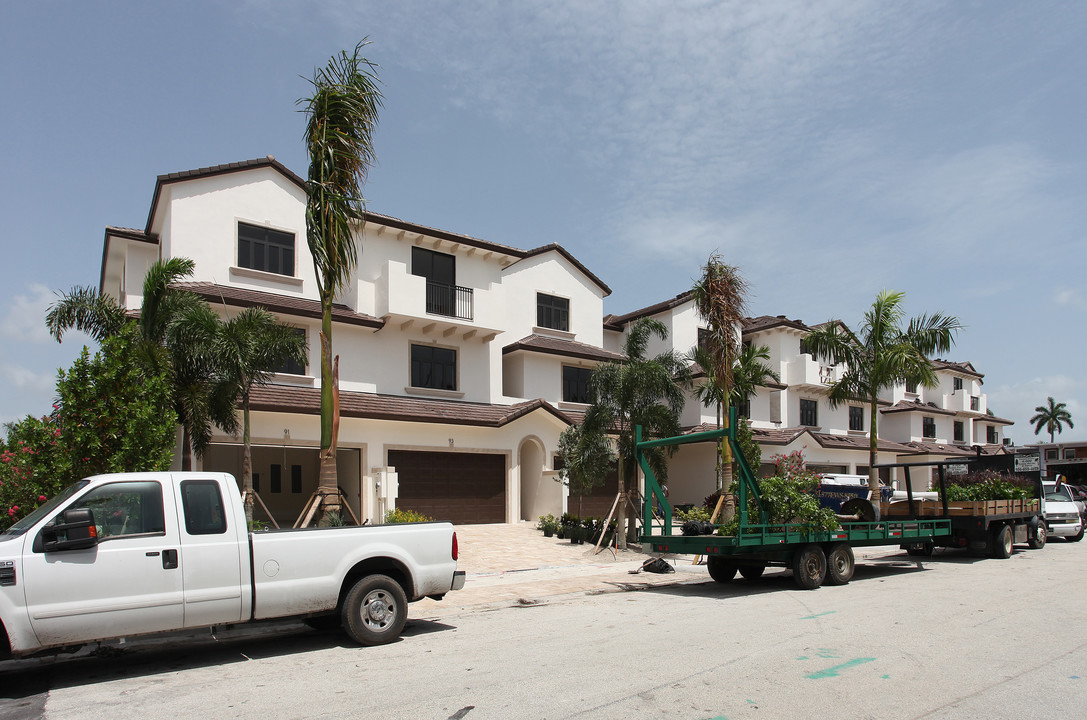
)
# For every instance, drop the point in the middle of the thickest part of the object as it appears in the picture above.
(955, 637)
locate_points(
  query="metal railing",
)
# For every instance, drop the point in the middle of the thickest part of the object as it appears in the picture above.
(449, 300)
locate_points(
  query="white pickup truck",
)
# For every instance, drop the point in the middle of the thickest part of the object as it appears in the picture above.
(129, 554)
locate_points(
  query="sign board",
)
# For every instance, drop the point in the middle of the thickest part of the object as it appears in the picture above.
(957, 469)
(1028, 463)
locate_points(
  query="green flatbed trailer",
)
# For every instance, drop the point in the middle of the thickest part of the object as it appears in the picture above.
(814, 557)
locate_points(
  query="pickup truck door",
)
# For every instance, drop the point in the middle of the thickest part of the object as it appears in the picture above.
(214, 567)
(129, 583)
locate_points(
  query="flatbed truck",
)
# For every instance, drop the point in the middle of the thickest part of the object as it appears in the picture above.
(814, 556)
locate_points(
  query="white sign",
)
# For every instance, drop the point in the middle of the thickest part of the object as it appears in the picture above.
(957, 469)
(1028, 463)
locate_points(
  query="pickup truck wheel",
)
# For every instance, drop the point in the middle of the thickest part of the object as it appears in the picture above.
(375, 610)
(840, 564)
(1001, 543)
(721, 569)
(1038, 534)
(809, 567)
(1077, 537)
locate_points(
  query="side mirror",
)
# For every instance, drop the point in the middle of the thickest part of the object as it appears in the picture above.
(73, 530)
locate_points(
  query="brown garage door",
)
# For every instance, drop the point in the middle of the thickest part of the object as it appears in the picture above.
(458, 487)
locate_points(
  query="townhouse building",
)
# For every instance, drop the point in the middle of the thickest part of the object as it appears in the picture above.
(915, 424)
(462, 360)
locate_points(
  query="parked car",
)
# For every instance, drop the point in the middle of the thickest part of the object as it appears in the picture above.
(1062, 515)
(129, 554)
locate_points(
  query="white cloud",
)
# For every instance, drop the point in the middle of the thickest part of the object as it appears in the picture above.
(24, 319)
(1072, 297)
(1017, 401)
(28, 381)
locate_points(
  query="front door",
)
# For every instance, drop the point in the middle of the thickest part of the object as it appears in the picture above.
(129, 583)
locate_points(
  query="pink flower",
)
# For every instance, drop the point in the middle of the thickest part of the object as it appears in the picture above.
(41, 498)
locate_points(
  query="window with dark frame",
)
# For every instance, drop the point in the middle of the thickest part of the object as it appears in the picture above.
(911, 387)
(575, 384)
(956, 384)
(277, 479)
(990, 435)
(928, 427)
(856, 417)
(960, 431)
(809, 413)
(440, 271)
(265, 249)
(552, 312)
(290, 367)
(703, 338)
(433, 367)
(296, 478)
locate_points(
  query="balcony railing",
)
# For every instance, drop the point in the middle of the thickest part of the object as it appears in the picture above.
(449, 300)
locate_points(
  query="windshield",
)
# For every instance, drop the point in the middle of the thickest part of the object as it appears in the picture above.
(1057, 497)
(26, 523)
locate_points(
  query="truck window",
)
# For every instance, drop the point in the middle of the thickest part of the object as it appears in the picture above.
(202, 504)
(126, 508)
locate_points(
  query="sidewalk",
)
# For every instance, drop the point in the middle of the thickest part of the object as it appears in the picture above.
(516, 564)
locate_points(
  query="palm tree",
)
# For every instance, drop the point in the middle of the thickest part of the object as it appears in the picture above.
(881, 355)
(167, 343)
(720, 296)
(587, 456)
(342, 114)
(748, 375)
(1051, 416)
(639, 391)
(247, 348)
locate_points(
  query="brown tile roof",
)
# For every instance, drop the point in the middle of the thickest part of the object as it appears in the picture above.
(915, 406)
(966, 368)
(767, 322)
(565, 348)
(996, 420)
(616, 322)
(284, 304)
(307, 401)
(131, 234)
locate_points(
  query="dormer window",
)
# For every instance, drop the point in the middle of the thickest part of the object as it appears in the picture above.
(552, 312)
(928, 427)
(956, 384)
(265, 249)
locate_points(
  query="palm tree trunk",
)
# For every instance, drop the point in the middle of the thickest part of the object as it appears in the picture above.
(873, 443)
(328, 480)
(247, 462)
(621, 529)
(186, 448)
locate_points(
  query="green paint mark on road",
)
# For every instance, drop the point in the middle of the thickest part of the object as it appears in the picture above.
(802, 657)
(833, 671)
(885, 677)
(812, 617)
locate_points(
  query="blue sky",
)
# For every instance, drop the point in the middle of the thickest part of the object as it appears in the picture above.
(828, 149)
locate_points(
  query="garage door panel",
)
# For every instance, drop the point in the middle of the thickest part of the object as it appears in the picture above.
(458, 487)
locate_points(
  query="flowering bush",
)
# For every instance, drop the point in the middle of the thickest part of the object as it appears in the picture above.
(789, 497)
(112, 414)
(989, 485)
(405, 516)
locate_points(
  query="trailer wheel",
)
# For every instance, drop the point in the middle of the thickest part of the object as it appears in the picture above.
(752, 572)
(375, 610)
(920, 550)
(809, 567)
(1000, 544)
(1038, 534)
(721, 569)
(840, 564)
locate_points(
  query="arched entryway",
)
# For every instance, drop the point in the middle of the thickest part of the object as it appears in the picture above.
(540, 494)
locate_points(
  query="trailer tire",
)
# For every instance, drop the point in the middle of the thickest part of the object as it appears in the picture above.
(1000, 543)
(752, 572)
(721, 569)
(924, 551)
(375, 610)
(809, 567)
(840, 564)
(1038, 534)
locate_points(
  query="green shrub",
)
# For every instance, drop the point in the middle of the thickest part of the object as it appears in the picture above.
(697, 514)
(399, 515)
(789, 498)
(989, 485)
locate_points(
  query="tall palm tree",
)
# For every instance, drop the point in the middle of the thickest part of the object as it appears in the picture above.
(642, 391)
(341, 114)
(586, 456)
(246, 349)
(167, 343)
(880, 355)
(1051, 416)
(720, 296)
